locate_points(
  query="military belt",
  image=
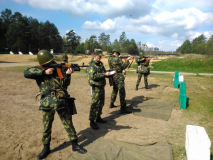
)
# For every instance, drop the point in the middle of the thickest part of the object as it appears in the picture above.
(51, 94)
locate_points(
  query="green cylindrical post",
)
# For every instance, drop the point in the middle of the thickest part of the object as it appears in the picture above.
(176, 79)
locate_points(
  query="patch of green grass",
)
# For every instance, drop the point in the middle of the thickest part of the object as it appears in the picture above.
(183, 65)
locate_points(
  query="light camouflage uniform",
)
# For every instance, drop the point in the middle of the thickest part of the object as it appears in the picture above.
(142, 63)
(116, 63)
(96, 78)
(51, 104)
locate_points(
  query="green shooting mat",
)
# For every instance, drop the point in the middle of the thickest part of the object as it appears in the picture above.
(156, 110)
(107, 149)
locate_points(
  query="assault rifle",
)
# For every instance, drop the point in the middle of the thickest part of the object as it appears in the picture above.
(58, 67)
(146, 57)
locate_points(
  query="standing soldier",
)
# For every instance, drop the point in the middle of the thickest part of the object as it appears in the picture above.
(65, 57)
(53, 89)
(96, 78)
(116, 63)
(142, 69)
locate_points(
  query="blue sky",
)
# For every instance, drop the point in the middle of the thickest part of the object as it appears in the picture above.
(165, 24)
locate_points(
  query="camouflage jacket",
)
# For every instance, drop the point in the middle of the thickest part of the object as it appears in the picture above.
(141, 62)
(116, 63)
(49, 102)
(96, 73)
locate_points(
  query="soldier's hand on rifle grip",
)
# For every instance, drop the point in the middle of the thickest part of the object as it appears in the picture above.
(49, 71)
(69, 71)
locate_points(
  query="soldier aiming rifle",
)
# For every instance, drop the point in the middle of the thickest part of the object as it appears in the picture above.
(54, 98)
(115, 63)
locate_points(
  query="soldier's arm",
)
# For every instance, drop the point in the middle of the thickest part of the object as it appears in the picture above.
(109, 62)
(67, 78)
(147, 64)
(93, 75)
(137, 60)
(122, 64)
(33, 73)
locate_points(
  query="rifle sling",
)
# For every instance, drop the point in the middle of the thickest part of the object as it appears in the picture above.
(47, 81)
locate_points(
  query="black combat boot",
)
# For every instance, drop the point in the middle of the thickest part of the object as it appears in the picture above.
(100, 120)
(136, 88)
(76, 147)
(45, 152)
(124, 111)
(112, 105)
(93, 125)
(147, 87)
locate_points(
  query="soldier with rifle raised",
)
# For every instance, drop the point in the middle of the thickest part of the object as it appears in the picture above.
(116, 63)
(143, 63)
(65, 57)
(54, 98)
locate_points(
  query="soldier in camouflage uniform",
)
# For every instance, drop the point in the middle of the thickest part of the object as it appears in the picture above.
(96, 73)
(51, 88)
(115, 63)
(142, 70)
(65, 57)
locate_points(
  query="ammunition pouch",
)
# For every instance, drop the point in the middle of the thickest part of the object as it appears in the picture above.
(71, 105)
(143, 70)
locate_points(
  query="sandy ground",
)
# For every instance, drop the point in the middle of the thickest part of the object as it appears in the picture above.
(21, 121)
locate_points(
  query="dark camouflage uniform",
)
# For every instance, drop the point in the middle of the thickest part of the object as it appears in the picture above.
(50, 104)
(142, 63)
(116, 63)
(65, 58)
(96, 78)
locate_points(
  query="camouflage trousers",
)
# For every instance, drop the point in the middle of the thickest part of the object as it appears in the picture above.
(145, 79)
(118, 86)
(66, 119)
(98, 97)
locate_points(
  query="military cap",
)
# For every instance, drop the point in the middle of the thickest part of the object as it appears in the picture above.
(98, 53)
(115, 50)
